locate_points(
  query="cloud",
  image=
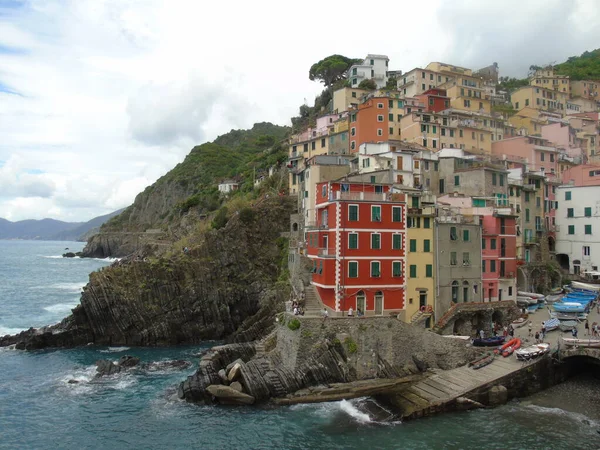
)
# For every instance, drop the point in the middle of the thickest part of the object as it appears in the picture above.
(16, 180)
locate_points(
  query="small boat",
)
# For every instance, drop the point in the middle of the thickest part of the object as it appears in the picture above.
(521, 321)
(489, 342)
(514, 344)
(585, 286)
(453, 336)
(551, 324)
(574, 342)
(553, 298)
(482, 361)
(532, 308)
(541, 304)
(530, 294)
(572, 307)
(523, 302)
(568, 325)
(534, 351)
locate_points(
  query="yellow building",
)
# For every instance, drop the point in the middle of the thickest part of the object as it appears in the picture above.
(346, 97)
(539, 98)
(448, 69)
(420, 259)
(586, 89)
(548, 79)
(468, 94)
(528, 121)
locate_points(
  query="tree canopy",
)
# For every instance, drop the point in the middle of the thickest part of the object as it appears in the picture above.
(368, 84)
(584, 67)
(331, 69)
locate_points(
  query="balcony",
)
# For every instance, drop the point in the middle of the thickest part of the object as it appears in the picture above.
(544, 148)
(504, 212)
(326, 252)
(358, 196)
(507, 275)
(314, 225)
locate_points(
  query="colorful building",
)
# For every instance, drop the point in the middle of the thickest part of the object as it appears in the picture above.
(374, 67)
(435, 100)
(357, 247)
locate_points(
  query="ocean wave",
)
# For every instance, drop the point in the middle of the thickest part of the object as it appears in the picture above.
(354, 409)
(52, 256)
(578, 417)
(110, 260)
(354, 412)
(115, 349)
(61, 307)
(6, 330)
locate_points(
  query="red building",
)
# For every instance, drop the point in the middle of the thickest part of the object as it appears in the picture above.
(370, 123)
(499, 255)
(435, 100)
(357, 247)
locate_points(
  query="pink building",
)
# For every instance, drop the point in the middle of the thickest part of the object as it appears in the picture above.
(564, 136)
(584, 175)
(538, 153)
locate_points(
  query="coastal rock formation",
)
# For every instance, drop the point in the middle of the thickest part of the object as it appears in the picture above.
(105, 367)
(206, 293)
(321, 353)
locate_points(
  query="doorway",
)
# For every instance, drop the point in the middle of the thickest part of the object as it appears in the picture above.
(490, 293)
(499, 295)
(360, 302)
(325, 239)
(378, 303)
(422, 299)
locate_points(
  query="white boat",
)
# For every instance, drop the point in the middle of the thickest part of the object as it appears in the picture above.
(519, 322)
(574, 342)
(585, 286)
(528, 300)
(533, 351)
(452, 336)
(554, 298)
(551, 324)
(530, 294)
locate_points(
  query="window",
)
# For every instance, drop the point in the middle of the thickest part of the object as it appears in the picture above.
(396, 241)
(353, 131)
(466, 235)
(586, 250)
(494, 179)
(380, 106)
(483, 243)
(391, 116)
(429, 271)
(391, 131)
(380, 118)
(379, 131)
(588, 229)
(493, 266)
(493, 244)
(353, 269)
(375, 213)
(427, 245)
(396, 214)
(501, 179)
(323, 143)
(483, 265)
(460, 133)
(467, 103)
(453, 234)
(413, 271)
(569, 212)
(354, 92)
(526, 215)
(526, 196)
(413, 245)
(353, 212)
(456, 180)
(423, 86)
(567, 195)
(426, 222)
(313, 145)
(353, 145)
(451, 133)
(466, 259)
(588, 212)
(396, 269)
(366, 163)
(571, 229)
(375, 269)
(541, 156)
(353, 241)
(443, 132)
(453, 258)
(375, 241)
(538, 202)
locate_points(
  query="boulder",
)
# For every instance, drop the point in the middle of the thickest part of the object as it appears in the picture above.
(230, 365)
(237, 386)
(226, 395)
(177, 364)
(128, 361)
(223, 376)
(104, 367)
(234, 373)
(497, 395)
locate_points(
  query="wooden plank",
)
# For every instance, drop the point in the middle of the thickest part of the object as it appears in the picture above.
(442, 387)
(432, 390)
(423, 394)
(464, 384)
(419, 402)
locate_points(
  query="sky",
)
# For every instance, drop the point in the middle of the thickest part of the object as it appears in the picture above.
(99, 98)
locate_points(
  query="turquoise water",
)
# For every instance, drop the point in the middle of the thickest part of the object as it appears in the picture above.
(39, 408)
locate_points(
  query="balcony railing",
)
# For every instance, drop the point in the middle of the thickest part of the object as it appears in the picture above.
(368, 196)
(326, 252)
(509, 275)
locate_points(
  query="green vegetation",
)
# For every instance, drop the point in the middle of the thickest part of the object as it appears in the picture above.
(584, 67)
(369, 85)
(294, 324)
(331, 69)
(351, 345)
(509, 84)
(391, 84)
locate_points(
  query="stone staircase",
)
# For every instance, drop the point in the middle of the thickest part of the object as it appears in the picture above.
(419, 316)
(312, 301)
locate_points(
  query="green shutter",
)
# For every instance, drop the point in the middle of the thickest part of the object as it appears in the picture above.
(588, 212)
(397, 269)
(375, 270)
(466, 235)
(396, 241)
(571, 229)
(413, 271)
(375, 241)
(353, 269)
(567, 195)
(376, 213)
(413, 245)
(456, 180)
(588, 229)
(397, 214)
(353, 212)
(429, 270)
(353, 241)
(426, 245)
(426, 222)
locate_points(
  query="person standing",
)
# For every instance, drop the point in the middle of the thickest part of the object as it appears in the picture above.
(530, 328)
(511, 331)
(481, 334)
(587, 327)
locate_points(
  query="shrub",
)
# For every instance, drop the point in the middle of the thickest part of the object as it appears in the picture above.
(220, 219)
(352, 347)
(294, 324)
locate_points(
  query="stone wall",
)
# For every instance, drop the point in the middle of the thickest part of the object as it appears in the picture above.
(466, 318)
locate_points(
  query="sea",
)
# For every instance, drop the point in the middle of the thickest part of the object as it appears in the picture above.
(50, 400)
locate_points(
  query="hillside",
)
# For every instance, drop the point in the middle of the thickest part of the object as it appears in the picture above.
(583, 67)
(191, 185)
(86, 230)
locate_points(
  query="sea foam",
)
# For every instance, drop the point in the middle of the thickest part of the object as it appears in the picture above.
(115, 349)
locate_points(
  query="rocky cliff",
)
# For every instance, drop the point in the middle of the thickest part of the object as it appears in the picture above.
(206, 293)
(305, 352)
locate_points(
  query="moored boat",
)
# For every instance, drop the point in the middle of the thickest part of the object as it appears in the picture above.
(568, 325)
(454, 336)
(553, 298)
(508, 348)
(482, 361)
(488, 342)
(551, 324)
(585, 286)
(530, 294)
(533, 351)
(572, 307)
(574, 342)
(532, 308)
(518, 323)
